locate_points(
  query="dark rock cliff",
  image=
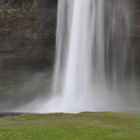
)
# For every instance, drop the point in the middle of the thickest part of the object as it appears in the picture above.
(27, 28)
(135, 31)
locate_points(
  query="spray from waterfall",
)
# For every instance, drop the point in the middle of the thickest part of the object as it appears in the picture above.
(91, 72)
(87, 50)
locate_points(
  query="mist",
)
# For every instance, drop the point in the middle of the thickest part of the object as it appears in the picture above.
(51, 63)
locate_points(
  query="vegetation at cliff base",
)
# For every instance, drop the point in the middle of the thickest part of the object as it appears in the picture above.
(83, 126)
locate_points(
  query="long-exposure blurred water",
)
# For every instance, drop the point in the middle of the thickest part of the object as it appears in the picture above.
(91, 67)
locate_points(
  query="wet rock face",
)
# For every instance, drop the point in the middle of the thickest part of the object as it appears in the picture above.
(30, 26)
(135, 17)
(48, 3)
(28, 3)
(135, 34)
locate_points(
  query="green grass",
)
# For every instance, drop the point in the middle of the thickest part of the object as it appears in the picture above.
(83, 126)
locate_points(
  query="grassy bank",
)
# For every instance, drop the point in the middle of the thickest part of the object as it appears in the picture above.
(83, 126)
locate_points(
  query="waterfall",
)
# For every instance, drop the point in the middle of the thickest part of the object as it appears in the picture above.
(91, 55)
(91, 65)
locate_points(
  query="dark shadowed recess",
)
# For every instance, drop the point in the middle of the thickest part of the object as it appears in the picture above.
(41, 3)
(27, 46)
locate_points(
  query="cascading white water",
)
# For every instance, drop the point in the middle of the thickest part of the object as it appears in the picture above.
(80, 53)
(91, 58)
(83, 53)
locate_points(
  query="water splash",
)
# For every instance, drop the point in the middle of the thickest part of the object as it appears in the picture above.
(91, 58)
(84, 50)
